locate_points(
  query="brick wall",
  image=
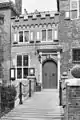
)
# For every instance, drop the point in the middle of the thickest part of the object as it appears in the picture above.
(69, 36)
(73, 102)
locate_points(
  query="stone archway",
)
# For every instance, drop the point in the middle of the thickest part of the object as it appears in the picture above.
(49, 74)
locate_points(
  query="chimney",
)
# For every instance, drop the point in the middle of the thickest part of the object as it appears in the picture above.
(18, 4)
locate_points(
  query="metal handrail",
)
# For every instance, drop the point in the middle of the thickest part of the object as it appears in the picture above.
(23, 90)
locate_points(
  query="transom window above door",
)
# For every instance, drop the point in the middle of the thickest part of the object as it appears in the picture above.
(22, 66)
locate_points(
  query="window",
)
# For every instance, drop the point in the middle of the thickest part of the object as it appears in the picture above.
(1, 20)
(31, 35)
(22, 66)
(26, 36)
(55, 35)
(19, 73)
(21, 36)
(43, 35)
(19, 60)
(74, 9)
(50, 34)
(38, 35)
(15, 37)
(76, 55)
(25, 66)
(67, 15)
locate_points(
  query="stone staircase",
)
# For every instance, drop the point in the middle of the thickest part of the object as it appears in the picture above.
(42, 105)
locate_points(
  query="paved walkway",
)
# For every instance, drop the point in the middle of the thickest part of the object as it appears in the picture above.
(41, 106)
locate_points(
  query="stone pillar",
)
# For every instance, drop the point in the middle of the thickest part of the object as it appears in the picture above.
(58, 56)
(64, 76)
(63, 88)
(40, 67)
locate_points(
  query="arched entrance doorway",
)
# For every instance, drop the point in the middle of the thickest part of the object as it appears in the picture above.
(49, 74)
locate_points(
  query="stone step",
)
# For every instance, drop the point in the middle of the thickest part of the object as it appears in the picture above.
(41, 106)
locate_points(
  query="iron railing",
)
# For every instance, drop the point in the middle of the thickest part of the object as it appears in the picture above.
(23, 90)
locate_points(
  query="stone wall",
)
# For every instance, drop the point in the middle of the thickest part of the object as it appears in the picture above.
(6, 10)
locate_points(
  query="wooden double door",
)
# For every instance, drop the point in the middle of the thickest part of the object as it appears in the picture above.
(49, 75)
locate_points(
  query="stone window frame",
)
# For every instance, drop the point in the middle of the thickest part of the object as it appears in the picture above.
(23, 36)
(74, 61)
(48, 36)
(31, 36)
(22, 67)
(15, 37)
(37, 35)
(67, 14)
(55, 34)
(28, 36)
(77, 9)
(53, 30)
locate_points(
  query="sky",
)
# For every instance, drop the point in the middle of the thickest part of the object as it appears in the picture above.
(40, 5)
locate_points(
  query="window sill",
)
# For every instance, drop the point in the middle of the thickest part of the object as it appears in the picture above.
(22, 79)
(31, 41)
(67, 19)
(76, 62)
(47, 41)
(15, 42)
(55, 40)
(38, 41)
(23, 43)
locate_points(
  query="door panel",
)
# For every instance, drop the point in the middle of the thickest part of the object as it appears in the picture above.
(49, 75)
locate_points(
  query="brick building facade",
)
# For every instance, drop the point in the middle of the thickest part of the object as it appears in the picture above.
(69, 33)
(47, 41)
(35, 45)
